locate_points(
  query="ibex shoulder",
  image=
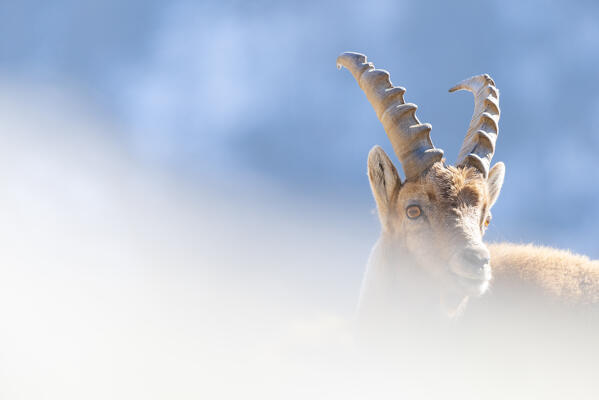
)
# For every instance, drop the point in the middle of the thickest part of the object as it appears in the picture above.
(562, 274)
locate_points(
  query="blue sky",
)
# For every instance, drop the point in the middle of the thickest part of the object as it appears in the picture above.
(210, 90)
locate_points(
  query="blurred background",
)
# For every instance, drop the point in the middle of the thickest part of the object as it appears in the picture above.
(168, 163)
(244, 95)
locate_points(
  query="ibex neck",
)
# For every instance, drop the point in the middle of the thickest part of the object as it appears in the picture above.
(394, 284)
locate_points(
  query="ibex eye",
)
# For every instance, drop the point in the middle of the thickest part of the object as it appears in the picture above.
(413, 212)
(487, 222)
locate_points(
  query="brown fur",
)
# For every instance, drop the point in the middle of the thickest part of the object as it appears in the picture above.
(431, 256)
(557, 274)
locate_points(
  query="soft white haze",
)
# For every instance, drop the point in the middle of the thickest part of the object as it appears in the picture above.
(120, 281)
(185, 212)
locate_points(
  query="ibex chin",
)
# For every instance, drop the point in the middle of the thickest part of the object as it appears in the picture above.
(431, 250)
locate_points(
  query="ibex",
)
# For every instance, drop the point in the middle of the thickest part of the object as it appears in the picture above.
(431, 250)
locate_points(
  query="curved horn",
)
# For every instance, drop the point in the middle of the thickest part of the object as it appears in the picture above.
(410, 139)
(479, 143)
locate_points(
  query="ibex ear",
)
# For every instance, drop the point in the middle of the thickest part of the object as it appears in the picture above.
(384, 182)
(495, 182)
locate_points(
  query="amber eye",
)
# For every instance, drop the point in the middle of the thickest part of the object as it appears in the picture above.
(487, 222)
(413, 212)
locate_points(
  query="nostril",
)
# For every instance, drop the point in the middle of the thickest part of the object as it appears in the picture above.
(485, 257)
(470, 257)
(476, 257)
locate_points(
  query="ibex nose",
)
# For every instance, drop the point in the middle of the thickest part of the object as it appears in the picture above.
(476, 257)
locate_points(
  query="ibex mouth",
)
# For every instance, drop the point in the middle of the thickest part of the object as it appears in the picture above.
(473, 285)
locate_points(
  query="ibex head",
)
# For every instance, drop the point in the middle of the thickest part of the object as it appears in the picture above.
(439, 214)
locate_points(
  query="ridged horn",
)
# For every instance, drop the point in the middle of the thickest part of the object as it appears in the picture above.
(479, 143)
(410, 139)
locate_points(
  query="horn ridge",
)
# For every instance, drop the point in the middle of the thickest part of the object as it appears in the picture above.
(479, 144)
(409, 137)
